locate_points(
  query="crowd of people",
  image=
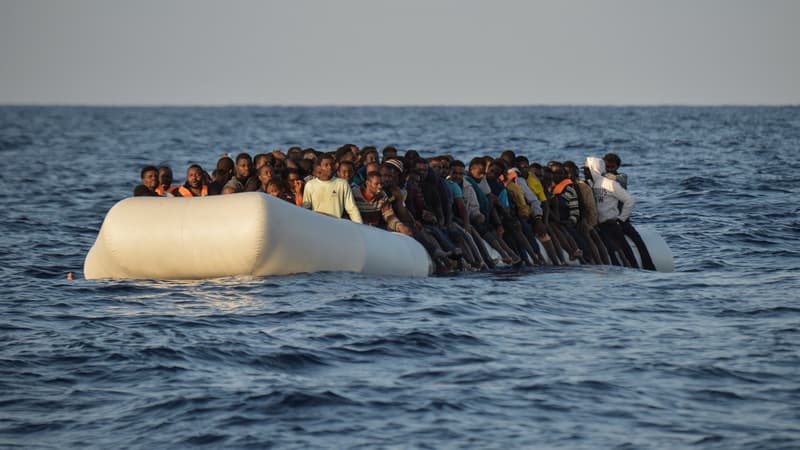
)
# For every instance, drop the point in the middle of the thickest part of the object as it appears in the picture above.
(527, 213)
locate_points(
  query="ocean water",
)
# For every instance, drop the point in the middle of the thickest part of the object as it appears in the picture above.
(589, 357)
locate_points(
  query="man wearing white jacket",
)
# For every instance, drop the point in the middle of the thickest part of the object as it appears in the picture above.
(609, 194)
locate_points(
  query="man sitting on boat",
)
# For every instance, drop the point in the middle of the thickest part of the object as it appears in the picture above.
(328, 195)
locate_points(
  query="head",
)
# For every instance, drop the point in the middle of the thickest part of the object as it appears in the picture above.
(496, 169)
(344, 153)
(387, 176)
(244, 166)
(612, 162)
(457, 171)
(294, 153)
(440, 165)
(557, 172)
(311, 154)
(165, 176)
(571, 170)
(477, 169)
(194, 176)
(389, 152)
(421, 168)
(508, 157)
(149, 175)
(346, 171)
(259, 160)
(293, 179)
(324, 168)
(370, 155)
(275, 187)
(373, 184)
(224, 170)
(536, 169)
(265, 174)
(521, 163)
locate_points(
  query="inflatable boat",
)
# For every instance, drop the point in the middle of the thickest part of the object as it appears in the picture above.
(239, 235)
(253, 234)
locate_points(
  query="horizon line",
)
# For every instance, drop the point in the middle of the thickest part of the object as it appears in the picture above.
(392, 105)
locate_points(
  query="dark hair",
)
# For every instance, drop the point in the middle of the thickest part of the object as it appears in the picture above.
(225, 163)
(520, 159)
(243, 155)
(613, 157)
(326, 156)
(372, 174)
(146, 169)
(369, 149)
(477, 161)
(457, 163)
(276, 182)
(341, 152)
(347, 163)
(261, 156)
(499, 163)
(195, 166)
(508, 154)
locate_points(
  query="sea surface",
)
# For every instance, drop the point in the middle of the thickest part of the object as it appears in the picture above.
(707, 356)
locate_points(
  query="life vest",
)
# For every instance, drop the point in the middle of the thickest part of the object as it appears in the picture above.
(186, 192)
(559, 188)
(170, 191)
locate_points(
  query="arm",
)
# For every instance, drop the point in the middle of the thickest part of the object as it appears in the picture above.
(626, 199)
(307, 194)
(350, 204)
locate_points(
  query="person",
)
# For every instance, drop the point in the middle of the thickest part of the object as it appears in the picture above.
(608, 194)
(253, 183)
(389, 152)
(587, 224)
(566, 211)
(265, 174)
(346, 171)
(477, 257)
(276, 188)
(195, 185)
(149, 176)
(221, 175)
(613, 162)
(243, 171)
(487, 223)
(165, 187)
(521, 207)
(376, 207)
(295, 185)
(328, 195)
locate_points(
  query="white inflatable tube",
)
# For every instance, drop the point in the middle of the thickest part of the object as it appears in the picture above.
(657, 248)
(241, 234)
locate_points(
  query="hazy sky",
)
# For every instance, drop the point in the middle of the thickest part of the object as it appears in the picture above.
(399, 52)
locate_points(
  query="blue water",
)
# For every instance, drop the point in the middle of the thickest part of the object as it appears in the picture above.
(597, 357)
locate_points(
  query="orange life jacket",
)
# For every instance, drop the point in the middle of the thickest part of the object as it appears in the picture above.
(186, 192)
(559, 188)
(170, 190)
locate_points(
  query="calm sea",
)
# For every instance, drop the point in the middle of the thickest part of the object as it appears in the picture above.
(597, 357)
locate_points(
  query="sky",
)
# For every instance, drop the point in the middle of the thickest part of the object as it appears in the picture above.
(409, 52)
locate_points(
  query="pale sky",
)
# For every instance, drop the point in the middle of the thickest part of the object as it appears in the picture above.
(412, 52)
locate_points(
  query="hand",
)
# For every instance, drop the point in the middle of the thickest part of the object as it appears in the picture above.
(404, 229)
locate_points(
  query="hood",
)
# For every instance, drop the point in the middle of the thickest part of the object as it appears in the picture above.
(597, 167)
